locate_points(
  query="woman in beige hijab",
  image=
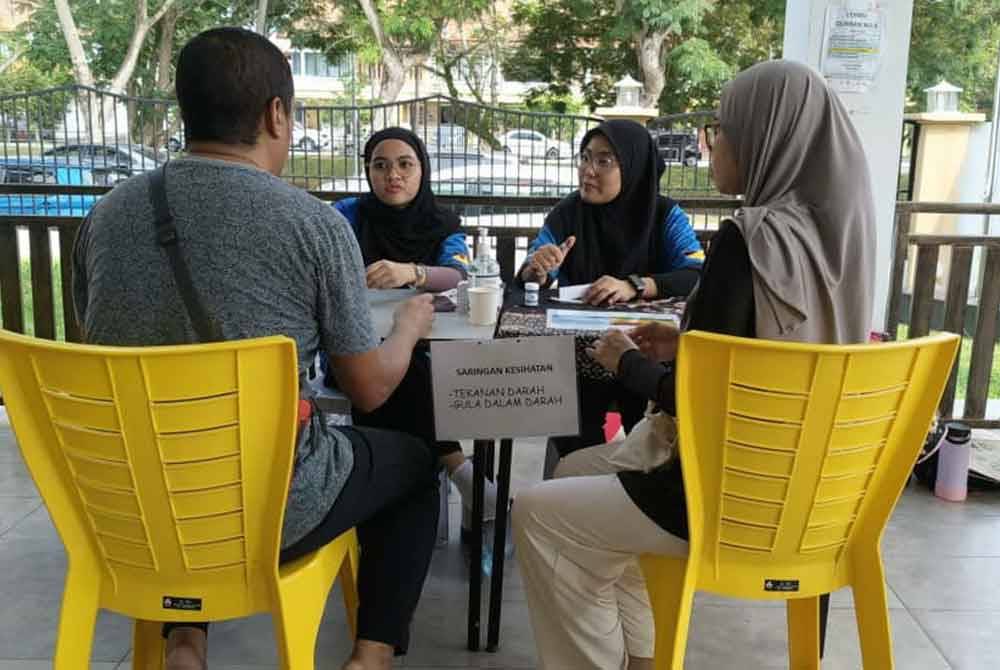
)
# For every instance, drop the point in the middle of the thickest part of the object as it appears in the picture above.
(795, 263)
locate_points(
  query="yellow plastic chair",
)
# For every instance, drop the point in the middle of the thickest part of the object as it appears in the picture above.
(793, 459)
(165, 471)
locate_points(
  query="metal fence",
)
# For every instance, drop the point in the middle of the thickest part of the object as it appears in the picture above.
(76, 135)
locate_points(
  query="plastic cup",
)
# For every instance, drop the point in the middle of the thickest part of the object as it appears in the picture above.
(484, 303)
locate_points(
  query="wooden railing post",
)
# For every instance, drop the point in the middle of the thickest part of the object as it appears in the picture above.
(43, 307)
(901, 244)
(985, 339)
(956, 301)
(10, 278)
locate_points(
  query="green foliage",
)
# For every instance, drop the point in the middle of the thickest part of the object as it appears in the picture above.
(706, 42)
(955, 40)
(412, 27)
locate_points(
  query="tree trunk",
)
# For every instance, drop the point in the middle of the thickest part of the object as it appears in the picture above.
(393, 75)
(14, 57)
(261, 23)
(649, 51)
(143, 23)
(165, 50)
(394, 66)
(81, 68)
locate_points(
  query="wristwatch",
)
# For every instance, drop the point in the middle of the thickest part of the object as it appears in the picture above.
(639, 284)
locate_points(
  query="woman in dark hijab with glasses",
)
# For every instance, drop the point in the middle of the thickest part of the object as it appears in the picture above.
(618, 234)
(407, 239)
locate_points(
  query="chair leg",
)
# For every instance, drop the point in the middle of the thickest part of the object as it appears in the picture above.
(75, 637)
(349, 586)
(148, 645)
(872, 612)
(803, 633)
(671, 596)
(303, 588)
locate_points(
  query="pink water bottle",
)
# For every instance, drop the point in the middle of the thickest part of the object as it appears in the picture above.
(953, 463)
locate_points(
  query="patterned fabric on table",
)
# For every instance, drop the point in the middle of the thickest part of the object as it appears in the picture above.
(518, 321)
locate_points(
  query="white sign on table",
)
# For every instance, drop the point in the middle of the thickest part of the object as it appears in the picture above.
(524, 387)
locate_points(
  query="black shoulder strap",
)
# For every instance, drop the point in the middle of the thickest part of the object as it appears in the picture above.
(166, 237)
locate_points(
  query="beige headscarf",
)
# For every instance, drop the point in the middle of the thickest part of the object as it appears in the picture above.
(809, 217)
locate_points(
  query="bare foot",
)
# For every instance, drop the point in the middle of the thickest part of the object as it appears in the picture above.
(370, 655)
(187, 649)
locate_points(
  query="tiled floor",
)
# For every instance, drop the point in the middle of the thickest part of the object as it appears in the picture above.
(942, 562)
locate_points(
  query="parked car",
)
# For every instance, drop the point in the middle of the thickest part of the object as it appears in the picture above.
(455, 159)
(495, 179)
(309, 139)
(450, 138)
(678, 146)
(41, 171)
(532, 144)
(128, 159)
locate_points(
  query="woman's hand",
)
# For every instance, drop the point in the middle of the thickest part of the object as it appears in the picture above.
(388, 274)
(658, 341)
(609, 290)
(546, 259)
(608, 350)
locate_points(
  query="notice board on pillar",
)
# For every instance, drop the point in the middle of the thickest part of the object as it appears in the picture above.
(523, 387)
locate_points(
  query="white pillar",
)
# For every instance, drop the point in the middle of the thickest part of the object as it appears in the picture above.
(877, 113)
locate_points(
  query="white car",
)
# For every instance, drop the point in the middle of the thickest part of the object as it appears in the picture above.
(309, 139)
(532, 144)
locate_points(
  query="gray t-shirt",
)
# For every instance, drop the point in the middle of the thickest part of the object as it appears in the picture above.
(266, 259)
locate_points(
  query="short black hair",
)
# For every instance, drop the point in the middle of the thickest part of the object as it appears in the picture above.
(226, 78)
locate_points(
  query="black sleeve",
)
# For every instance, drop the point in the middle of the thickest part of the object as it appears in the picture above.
(678, 283)
(724, 304)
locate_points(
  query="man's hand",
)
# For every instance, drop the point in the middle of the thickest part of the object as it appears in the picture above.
(546, 259)
(658, 340)
(388, 274)
(608, 350)
(609, 290)
(415, 317)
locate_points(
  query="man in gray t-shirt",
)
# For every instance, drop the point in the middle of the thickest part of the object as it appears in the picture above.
(267, 258)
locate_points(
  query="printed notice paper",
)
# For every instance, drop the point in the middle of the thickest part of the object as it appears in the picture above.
(575, 319)
(853, 44)
(523, 387)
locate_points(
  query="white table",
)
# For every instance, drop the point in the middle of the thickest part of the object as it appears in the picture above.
(447, 325)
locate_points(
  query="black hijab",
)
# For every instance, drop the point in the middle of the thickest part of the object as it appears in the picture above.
(411, 234)
(621, 237)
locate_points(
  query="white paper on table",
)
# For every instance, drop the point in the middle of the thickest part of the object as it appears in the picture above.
(572, 319)
(573, 293)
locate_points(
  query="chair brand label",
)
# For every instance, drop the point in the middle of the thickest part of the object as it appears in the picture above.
(187, 604)
(782, 585)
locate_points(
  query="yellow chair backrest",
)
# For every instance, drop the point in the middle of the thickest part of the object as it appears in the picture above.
(161, 466)
(795, 455)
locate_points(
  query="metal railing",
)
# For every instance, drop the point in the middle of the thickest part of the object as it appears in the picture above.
(475, 149)
(973, 262)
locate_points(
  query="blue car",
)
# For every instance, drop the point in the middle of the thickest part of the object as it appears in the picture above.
(44, 171)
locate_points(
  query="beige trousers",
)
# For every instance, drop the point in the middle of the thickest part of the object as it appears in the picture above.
(577, 539)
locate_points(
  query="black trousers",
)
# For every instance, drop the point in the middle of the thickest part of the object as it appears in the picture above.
(410, 408)
(596, 399)
(391, 498)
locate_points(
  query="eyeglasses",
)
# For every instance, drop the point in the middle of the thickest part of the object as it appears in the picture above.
(601, 163)
(405, 167)
(711, 133)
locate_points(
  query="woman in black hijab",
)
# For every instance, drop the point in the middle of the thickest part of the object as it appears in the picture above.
(406, 239)
(620, 236)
